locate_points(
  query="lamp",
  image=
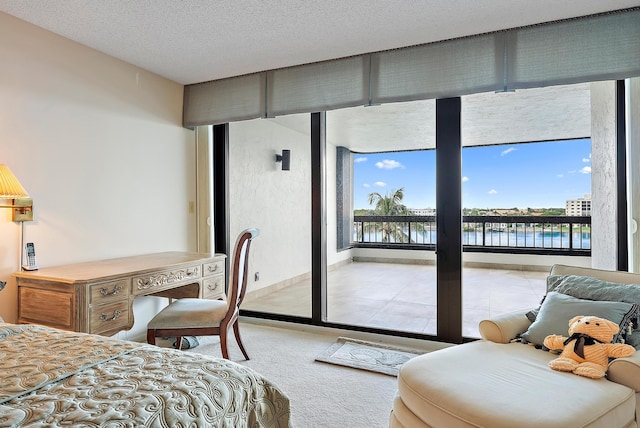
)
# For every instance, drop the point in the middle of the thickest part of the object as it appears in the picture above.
(285, 158)
(10, 188)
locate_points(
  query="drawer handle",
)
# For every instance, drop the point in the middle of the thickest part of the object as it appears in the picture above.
(212, 268)
(105, 317)
(106, 292)
(212, 287)
(162, 279)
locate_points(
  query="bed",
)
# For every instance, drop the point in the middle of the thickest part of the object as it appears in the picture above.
(56, 378)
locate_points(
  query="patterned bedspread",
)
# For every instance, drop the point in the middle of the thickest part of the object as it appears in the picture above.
(54, 378)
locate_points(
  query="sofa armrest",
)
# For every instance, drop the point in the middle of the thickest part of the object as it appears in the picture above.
(504, 328)
(626, 371)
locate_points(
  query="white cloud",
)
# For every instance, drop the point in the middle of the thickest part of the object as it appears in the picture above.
(492, 192)
(380, 183)
(389, 164)
(560, 175)
(358, 160)
(509, 150)
(586, 170)
(586, 160)
(465, 179)
(367, 185)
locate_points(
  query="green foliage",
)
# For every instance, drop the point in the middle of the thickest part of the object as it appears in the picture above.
(389, 204)
(362, 211)
(553, 212)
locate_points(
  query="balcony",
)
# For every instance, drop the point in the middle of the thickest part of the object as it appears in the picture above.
(401, 295)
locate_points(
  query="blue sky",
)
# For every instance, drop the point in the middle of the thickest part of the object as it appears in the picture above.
(530, 175)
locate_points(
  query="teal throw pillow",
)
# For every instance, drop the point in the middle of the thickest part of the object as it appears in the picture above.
(557, 309)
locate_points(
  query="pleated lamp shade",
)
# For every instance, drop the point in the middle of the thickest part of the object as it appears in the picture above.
(10, 187)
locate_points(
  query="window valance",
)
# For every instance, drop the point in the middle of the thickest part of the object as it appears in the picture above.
(593, 48)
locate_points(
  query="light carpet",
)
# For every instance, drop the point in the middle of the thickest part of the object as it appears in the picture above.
(365, 355)
(321, 395)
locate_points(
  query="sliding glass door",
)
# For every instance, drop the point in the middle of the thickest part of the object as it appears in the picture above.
(381, 217)
(526, 158)
(273, 195)
(417, 218)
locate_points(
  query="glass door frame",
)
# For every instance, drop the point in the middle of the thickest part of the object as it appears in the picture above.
(448, 208)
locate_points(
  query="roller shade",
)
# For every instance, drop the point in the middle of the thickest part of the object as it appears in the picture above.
(439, 70)
(319, 86)
(602, 47)
(597, 48)
(225, 100)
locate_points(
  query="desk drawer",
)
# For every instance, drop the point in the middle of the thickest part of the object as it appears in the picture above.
(109, 317)
(48, 307)
(213, 287)
(108, 291)
(213, 268)
(158, 281)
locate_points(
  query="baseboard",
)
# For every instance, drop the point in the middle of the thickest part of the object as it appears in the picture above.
(393, 261)
(265, 291)
(502, 266)
(483, 265)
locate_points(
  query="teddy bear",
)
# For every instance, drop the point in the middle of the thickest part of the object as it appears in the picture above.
(587, 350)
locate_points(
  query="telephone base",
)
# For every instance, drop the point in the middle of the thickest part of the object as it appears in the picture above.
(27, 267)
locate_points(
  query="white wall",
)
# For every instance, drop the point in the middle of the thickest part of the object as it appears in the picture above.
(487, 260)
(604, 218)
(276, 202)
(633, 173)
(99, 146)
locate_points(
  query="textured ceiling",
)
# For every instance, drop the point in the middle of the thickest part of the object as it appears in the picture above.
(541, 114)
(192, 41)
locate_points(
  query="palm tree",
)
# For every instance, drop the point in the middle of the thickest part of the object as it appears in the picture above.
(389, 204)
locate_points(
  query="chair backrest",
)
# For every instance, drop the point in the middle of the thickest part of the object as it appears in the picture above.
(239, 269)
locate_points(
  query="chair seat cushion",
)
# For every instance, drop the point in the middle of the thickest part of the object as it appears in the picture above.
(190, 313)
(486, 384)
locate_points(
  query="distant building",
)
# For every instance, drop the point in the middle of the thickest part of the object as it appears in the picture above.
(579, 207)
(422, 211)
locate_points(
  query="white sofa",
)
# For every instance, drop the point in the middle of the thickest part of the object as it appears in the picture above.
(498, 383)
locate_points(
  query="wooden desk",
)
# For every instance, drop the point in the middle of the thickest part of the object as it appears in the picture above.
(97, 297)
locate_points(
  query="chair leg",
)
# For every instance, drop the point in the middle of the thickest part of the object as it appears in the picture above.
(151, 337)
(223, 343)
(236, 332)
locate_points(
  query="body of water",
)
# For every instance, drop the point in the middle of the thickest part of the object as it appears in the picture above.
(546, 239)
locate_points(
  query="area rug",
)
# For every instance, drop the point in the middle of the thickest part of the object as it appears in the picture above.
(365, 355)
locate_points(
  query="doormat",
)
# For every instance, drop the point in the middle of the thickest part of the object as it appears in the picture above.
(369, 356)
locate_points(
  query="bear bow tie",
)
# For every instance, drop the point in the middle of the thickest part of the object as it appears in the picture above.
(581, 340)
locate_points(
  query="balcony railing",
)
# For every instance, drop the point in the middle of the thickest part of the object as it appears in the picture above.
(569, 235)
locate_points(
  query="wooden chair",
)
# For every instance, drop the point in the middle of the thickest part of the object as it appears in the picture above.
(202, 317)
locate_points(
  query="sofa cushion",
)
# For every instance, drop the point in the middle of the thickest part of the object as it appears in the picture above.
(586, 287)
(557, 309)
(486, 384)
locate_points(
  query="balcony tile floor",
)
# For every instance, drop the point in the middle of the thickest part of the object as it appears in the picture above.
(403, 296)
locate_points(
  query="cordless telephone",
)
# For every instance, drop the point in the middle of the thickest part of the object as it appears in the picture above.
(32, 264)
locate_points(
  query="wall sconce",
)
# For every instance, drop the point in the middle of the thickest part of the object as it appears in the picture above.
(10, 188)
(285, 158)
